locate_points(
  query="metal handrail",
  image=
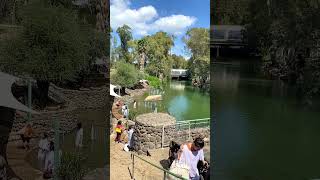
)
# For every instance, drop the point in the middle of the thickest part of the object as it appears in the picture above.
(164, 170)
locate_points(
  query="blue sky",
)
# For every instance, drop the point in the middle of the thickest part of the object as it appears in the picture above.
(146, 17)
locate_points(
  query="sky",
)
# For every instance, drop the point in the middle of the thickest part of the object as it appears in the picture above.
(145, 17)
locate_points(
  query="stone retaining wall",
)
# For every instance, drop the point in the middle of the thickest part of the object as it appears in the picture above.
(75, 100)
(149, 128)
(44, 122)
(86, 98)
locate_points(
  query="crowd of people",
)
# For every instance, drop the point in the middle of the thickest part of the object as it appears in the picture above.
(46, 148)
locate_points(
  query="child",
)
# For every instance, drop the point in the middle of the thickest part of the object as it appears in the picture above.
(119, 130)
(79, 136)
(43, 150)
(26, 136)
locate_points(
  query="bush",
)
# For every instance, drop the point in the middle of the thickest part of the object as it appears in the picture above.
(72, 167)
(154, 81)
(133, 114)
(124, 75)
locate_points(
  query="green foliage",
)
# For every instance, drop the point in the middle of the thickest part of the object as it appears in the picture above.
(72, 166)
(51, 46)
(157, 52)
(197, 41)
(125, 35)
(124, 75)
(133, 114)
(178, 62)
(154, 81)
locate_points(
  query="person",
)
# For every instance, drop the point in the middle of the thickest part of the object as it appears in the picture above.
(49, 162)
(190, 154)
(130, 132)
(43, 150)
(26, 136)
(79, 136)
(134, 104)
(123, 108)
(126, 112)
(3, 169)
(119, 130)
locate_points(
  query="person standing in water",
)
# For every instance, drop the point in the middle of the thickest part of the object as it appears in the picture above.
(79, 136)
(134, 104)
(126, 112)
(43, 150)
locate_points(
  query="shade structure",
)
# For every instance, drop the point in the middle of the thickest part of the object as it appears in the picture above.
(153, 98)
(6, 97)
(112, 93)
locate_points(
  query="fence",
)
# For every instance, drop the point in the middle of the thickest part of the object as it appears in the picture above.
(183, 130)
(154, 172)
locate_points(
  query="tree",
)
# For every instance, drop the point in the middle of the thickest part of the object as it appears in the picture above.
(197, 41)
(125, 75)
(142, 45)
(178, 62)
(157, 53)
(52, 46)
(125, 35)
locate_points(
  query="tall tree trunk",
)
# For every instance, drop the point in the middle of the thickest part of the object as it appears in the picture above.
(43, 87)
(7, 116)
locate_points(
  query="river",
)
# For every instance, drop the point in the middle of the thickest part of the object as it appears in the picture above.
(180, 99)
(263, 131)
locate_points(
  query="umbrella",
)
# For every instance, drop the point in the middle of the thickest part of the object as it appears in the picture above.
(6, 97)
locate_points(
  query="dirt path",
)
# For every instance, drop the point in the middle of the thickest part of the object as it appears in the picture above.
(120, 161)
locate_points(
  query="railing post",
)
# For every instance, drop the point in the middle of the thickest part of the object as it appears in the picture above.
(132, 165)
(189, 131)
(162, 137)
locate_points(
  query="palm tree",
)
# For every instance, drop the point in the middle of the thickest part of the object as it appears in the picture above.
(142, 52)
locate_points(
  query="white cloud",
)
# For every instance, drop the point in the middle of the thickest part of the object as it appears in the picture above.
(145, 20)
(174, 24)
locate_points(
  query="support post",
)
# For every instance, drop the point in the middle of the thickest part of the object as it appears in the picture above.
(189, 131)
(218, 53)
(132, 166)
(162, 138)
(29, 98)
(56, 146)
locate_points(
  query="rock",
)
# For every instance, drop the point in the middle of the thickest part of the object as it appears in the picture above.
(144, 149)
(140, 152)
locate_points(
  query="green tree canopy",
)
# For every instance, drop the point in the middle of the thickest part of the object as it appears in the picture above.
(178, 62)
(125, 35)
(157, 51)
(197, 41)
(125, 75)
(52, 46)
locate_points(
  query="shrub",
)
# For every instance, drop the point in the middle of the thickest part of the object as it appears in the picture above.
(72, 166)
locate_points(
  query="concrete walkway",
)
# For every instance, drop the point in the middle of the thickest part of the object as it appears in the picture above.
(16, 159)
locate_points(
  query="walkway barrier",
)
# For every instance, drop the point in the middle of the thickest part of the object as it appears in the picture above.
(150, 172)
(183, 130)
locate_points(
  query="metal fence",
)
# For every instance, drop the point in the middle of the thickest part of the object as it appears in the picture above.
(154, 172)
(182, 130)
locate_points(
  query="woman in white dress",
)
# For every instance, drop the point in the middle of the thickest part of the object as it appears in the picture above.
(43, 150)
(49, 162)
(79, 136)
